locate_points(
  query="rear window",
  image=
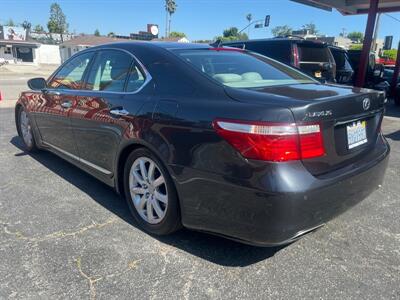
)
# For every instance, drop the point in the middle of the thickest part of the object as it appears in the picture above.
(341, 60)
(277, 50)
(311, 53)
(242, 69)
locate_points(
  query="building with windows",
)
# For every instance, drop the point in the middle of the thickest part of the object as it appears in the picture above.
(70, 47)
(18, 48)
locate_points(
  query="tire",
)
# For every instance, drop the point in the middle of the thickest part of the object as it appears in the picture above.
(152, 198)
(24, 128)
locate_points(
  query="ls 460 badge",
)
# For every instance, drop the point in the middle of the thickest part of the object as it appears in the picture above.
(315, 114)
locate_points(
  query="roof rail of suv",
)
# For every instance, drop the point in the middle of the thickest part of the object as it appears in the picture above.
(290, 36)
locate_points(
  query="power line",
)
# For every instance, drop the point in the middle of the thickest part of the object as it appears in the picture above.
(394, 18)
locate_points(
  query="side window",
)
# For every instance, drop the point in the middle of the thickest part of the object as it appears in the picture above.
(109, 71)
(70, 76)
(136, 79)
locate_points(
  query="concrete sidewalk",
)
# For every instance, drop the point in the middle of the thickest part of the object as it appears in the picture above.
(18, 70)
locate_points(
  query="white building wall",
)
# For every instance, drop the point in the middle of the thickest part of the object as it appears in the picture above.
(7, 57)
(48, 54)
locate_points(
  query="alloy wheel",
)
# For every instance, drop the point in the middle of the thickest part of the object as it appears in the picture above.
(26, 130)
(148, 190)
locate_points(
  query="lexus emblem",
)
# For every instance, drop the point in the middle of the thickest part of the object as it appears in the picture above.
(366, 103)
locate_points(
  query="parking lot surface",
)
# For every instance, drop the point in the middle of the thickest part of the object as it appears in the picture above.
(63, 234)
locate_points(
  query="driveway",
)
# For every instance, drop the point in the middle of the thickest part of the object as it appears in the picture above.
(63, 234)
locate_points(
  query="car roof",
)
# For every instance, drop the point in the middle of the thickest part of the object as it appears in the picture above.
(152, 45)
(337, 48)
(291, 39)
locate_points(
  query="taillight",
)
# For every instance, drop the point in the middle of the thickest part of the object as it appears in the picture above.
(296, 58)
(272, 141)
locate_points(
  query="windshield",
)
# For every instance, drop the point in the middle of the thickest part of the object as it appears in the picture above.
(241, 69)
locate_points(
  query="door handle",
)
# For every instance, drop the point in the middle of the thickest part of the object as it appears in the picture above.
(51, 92)
(66, 104)
(119, 111)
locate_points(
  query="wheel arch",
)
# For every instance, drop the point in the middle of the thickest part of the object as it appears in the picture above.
(124, 152)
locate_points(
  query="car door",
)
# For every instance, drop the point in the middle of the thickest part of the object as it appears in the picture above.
(53, 113)
(105, 109)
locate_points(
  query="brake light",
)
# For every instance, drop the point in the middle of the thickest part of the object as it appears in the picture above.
(272, 141)
(296, 58)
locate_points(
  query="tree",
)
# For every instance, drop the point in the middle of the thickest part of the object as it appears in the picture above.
(9, 22)
(97, 32)
(26, 25)
(38, 28)
(311, 27)
(356, 36)
(57, 21)
(390, 54)
(176, 34)
(281, 30)
(232, 34)
(249, 18)
(170, 9)
(111, 34)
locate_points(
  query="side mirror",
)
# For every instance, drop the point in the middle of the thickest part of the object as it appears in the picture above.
(37, 84)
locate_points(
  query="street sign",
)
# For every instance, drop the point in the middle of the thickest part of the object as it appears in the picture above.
(266, 22)
(388, 42)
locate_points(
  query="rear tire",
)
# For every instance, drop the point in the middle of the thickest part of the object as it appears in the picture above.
(24, 128)
(150, 193)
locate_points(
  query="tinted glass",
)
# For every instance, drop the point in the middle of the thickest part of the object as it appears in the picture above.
(242, 70)
(71, 74)
(277, 50)
(340, 58)
(310, 53)
(136, 79)
(109, 71)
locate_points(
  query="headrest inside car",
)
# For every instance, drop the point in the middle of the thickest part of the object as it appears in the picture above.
(227, 77)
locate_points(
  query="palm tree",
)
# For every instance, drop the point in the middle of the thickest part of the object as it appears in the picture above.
(249, 18)
(170, 8)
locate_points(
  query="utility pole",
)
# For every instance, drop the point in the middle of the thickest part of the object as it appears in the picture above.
(376, 31)
(166, 22)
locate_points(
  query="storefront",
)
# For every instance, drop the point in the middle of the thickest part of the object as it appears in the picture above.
(18, 51)
(14, 46)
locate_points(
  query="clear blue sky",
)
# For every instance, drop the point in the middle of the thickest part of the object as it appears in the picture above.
(199, 19)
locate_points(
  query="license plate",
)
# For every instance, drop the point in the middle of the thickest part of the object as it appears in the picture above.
(356, 134)
(318, 74)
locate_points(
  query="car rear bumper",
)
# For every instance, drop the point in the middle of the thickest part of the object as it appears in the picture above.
(290, 205)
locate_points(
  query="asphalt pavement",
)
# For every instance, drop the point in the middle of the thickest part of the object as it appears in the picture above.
(65, 235)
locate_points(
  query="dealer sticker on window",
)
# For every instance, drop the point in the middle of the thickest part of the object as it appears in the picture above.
(356, 134)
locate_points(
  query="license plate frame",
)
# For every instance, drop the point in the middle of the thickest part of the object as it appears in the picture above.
(356, 134)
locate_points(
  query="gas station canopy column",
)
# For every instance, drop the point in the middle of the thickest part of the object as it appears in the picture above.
(357, 7)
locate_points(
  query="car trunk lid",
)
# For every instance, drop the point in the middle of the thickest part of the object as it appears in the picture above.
(343, 114)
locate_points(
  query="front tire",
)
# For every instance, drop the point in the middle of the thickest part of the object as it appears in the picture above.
(24, 127)
(150, 193)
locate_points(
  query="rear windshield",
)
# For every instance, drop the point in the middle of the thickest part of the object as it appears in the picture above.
(311, 53)
(243, 69)
(341, 60)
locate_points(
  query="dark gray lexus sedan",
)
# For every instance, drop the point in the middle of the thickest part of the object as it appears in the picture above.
(214, 139)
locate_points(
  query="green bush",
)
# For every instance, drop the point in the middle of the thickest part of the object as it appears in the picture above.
(356, 47)
(391, 54)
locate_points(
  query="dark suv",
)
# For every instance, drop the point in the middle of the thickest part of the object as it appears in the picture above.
(344, 70)
(313, 58)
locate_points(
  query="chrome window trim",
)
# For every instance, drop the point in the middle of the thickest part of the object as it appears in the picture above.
(147, 79)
